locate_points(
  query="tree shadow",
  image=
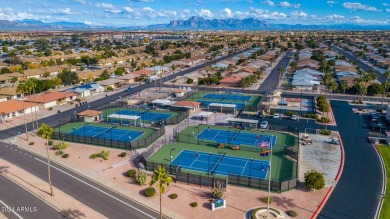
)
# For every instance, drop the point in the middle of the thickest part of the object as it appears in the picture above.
(284, 202)
(73, 213)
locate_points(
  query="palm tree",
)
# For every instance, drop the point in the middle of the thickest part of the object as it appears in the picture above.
(387, 76)
(344, 86)
(281, 71)
(21, 89)
(46, 131)
(30, 86)
(365, 77)
(332, 86)
(162, 180)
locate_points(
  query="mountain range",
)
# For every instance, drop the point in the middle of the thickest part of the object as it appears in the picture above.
(193, 23)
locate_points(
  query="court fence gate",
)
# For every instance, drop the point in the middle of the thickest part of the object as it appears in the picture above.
(192, 178)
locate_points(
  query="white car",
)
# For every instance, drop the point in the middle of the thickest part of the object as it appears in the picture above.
(264, 125)
(276, 116)
(294, 117)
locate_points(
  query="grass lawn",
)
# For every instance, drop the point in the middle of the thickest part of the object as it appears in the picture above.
(75, 125)
(385, 153)
(282, 167)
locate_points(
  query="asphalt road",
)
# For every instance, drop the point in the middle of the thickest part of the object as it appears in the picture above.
(16, 202)
(271, 82)
(361, 64)
(358, 190)
(92, 194)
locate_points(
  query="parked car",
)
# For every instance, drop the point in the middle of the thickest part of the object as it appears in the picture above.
(376, 125)
(294, 117)
(264, 125)
(129, 89)
(276, 116)
(260, 115)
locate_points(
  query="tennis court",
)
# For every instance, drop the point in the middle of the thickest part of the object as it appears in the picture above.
(221, 164)
(229, 96)
(145, 115)
(107, 133)
(238, 138)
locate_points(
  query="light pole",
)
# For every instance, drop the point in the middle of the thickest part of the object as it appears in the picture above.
(269, 176)
(250, 169)
(170, 153)
(130, 142)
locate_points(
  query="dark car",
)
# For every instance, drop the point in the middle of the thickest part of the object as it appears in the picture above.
(260, 115)
(129, 89)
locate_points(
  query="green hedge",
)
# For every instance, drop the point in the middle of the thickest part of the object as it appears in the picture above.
(131, 173)
(194, 204)
(172, 196)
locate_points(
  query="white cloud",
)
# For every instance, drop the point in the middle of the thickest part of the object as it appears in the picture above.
(386, 4)
(359, 20)
(226, 13)
(289, 5)
(83, 2)
(105, 5)
(88, 22)
(128, 9)
(250, 1)
(141, 0)
(335, 17)
(331, 2)
(298, 14)
(204, 13)
(355, 6)
(387, 9)
(114, 11)
(269, 2)
(264, 14)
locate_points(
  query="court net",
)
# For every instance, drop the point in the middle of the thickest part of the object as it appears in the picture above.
(235, 136)
(219, 161)
(105, 131)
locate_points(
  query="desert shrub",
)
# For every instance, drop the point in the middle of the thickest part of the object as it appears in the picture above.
(123, 154)
(292, 213)
(265, 199)
(50, 108)
(314, 180)
(140, 177)
(110, 88)
(194, 204)
(217, 190)
(149, 192)
(325, 132)
(93, 156)
(59, 152)
(172, 196)
(31, 143)
(310, 116)
(105, 154)
(272, 112)
(65, 156)
(190, 81)
(50, 143)
(60, 145)
(131, 173)
(324, 120)
(360, 109)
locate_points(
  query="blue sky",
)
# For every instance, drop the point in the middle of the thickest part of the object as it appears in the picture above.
(144, 12)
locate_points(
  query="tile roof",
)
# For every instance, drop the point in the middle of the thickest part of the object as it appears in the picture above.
(143, 72)
(233, 79)
(14, 105)
(49, 97)
(187, 103)
(90, 113)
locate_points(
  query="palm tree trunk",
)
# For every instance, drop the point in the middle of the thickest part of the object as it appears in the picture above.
(160, 206)
(384, 91)
(35, 113)
(32, 119)
(48, 168)
(24, 119)
(327, 113)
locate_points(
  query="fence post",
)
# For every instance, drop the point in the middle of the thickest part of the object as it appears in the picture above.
(188, 178)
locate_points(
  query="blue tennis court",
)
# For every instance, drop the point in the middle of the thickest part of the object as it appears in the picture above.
(238, 138)
(219, 164)
(229, 96)
(145, 115)
(106, 133)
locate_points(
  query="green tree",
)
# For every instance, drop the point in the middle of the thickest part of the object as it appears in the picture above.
(344, 86)
(387, 76)
(68, 77)
(173, 67)
(374, 89)
(280, 71)
(314, 180)
(46, 131)
(162, 180)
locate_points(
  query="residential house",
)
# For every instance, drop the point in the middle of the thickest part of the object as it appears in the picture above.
(232, 81)
(51, 99)
(144, 71)
(129, 78)
(179, 92)
(111, 82)
(34, 73)
(86, 90)
(13, 108)
(308, 63)
(9, 91)
(158, 69)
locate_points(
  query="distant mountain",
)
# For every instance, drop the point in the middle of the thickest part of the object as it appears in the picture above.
(193, 23)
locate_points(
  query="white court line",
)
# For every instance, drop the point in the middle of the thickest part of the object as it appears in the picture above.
(120, 136)
(96, 188)
(10, 209)
(216, 134)
(196, 158)
(244, 167)
(200, 133)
